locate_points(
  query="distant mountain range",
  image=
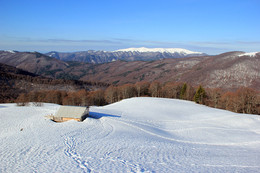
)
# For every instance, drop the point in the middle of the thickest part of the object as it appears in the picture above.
(130, 54)
(228, 71)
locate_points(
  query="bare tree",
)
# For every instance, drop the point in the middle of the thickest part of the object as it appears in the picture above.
(127, 91)
(111, 94)
(214, 97)
(171, 90)
(142, 88)
(155, 89)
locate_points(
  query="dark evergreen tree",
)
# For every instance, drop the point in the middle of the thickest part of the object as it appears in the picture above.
(200, 95)
(183, 93)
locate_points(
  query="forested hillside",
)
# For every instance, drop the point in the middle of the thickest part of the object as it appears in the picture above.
(15, 81)
(228, 71)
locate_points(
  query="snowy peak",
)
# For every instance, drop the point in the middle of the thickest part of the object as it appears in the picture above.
(130, 54)
(251, 54)
(161, 50)
(10, 51)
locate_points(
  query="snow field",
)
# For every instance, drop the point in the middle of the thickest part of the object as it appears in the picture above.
(133, 135)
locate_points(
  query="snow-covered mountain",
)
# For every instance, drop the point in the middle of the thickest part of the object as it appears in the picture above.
(161, 50)
(130, 54)
(251, 54)
(134, 135)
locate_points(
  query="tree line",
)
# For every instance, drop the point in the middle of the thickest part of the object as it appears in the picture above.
(243, 100)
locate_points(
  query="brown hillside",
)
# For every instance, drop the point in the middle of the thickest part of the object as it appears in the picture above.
(229, 71)
(14, 81)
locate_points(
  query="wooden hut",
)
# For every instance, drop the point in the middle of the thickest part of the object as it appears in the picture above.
(66, 113)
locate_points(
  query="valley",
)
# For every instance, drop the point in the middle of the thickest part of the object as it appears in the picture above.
(228, 71)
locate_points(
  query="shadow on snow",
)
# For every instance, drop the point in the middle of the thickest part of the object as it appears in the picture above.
(97, 115)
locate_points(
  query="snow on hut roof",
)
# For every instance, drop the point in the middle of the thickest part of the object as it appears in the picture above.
(71, 111)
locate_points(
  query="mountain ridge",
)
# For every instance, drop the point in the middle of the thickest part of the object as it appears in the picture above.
(229, 71)
(130, 54)
(162, 50)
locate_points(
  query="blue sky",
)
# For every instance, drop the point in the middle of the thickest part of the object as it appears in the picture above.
(210, 26)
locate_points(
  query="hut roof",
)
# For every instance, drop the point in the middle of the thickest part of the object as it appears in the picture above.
(71, 111)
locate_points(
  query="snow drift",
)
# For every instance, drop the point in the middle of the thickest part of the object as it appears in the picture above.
(133, 135)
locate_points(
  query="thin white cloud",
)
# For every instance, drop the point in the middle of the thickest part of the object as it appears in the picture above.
(79, 41)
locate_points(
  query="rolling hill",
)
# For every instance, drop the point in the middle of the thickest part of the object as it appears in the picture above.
(132, 135)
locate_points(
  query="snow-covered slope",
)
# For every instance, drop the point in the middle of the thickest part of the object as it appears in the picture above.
(134, 135)
(161, 50)
(249, 54)
(10, 51)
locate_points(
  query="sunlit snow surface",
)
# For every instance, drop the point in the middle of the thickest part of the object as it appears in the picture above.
(252, 54)
(134, 135)
(161, 50)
